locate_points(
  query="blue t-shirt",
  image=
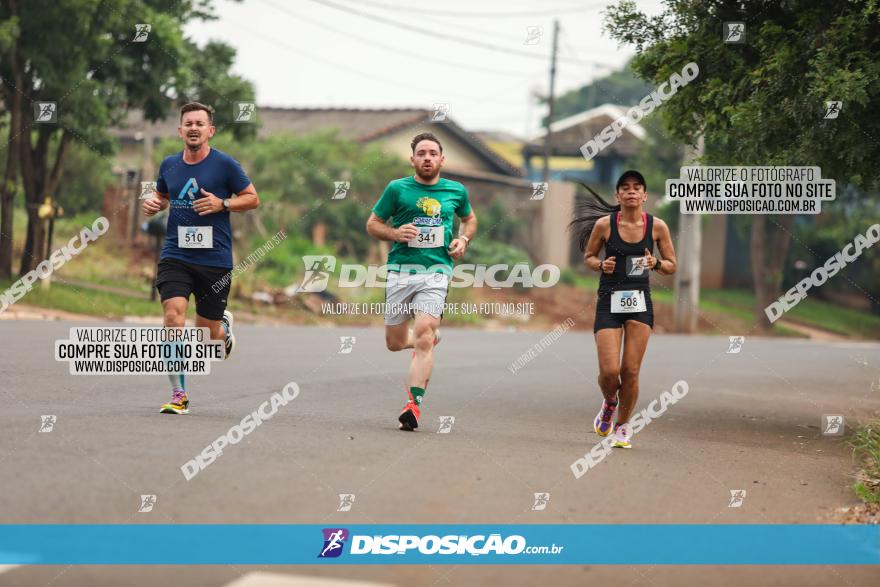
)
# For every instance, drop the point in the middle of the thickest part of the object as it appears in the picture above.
(217, 173)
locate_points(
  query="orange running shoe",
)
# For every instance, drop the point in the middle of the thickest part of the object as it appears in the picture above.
(409, 417)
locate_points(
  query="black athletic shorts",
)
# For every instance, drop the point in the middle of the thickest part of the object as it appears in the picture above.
(606, 319)
(209, 285)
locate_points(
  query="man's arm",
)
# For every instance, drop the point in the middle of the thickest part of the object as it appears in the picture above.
(377, 228)
(157, 203)
(246, 199)
(466, 231)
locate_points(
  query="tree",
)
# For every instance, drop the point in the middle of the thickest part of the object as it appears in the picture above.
(619, 87)
(763, 102)
(296, 175)
(87, 57)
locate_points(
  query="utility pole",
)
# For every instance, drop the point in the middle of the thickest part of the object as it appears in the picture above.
(548, 138)
(688, 251)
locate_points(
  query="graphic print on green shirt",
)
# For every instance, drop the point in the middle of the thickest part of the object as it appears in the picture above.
(430, 208)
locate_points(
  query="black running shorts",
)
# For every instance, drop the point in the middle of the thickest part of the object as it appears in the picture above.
(606, 319)
(209, 285)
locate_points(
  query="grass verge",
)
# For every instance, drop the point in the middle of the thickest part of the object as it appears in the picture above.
(77, 300)
(866, 450)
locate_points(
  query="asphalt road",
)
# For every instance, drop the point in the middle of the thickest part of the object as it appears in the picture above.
(749, 422)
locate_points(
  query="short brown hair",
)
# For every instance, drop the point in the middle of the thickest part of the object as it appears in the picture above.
(425, 136)
(193, 106)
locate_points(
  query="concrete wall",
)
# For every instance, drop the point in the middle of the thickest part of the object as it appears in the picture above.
(712, 255)
(553, 242)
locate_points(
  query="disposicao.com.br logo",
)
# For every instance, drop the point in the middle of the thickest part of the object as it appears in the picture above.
(320, 268)
(334, 540)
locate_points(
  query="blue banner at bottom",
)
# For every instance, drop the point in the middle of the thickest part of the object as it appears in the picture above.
(539, 544)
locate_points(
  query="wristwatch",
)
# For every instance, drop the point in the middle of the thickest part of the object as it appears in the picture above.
(226, 204)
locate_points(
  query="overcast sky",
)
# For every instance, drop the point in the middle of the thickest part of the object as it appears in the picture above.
(389, 53)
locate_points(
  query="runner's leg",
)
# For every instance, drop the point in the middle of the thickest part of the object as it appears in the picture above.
(419, 368)
(211, 289)
(634, 345)
(398, 337)
(174, 310)
(216, 326)
(608, 348)
(423, 361)
(174, 316)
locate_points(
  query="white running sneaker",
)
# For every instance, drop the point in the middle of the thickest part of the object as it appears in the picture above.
(229, 339)
(622, 436)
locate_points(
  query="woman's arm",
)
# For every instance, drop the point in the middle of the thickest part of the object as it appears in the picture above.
(664, 243)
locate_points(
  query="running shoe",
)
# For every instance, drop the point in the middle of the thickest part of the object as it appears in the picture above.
(622, 436)
(229, 339)
(179, 404)
(602, 424)
(409, 417)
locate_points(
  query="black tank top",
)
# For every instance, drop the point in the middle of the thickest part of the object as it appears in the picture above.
(625, 276)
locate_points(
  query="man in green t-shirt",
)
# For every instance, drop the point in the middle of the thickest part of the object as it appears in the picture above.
(416, 214)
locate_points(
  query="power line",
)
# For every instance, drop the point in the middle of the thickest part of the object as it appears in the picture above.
(396, 50)
(359, 72)
(458, 25)
(477, 14)
(437, 34)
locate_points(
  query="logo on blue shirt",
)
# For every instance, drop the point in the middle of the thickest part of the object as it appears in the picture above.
(190, 190)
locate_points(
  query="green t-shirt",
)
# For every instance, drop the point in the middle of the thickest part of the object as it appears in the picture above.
(430, 209)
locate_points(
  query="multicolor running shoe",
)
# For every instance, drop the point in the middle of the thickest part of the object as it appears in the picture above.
(622, 436)
(179, 404)
(229, 339)
(603, 423)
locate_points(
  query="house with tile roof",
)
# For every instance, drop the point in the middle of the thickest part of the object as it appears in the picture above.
(488, 175)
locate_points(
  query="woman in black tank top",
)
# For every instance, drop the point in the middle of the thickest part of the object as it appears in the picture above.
(624, 310)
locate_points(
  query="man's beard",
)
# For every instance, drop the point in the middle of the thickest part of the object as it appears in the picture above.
(428, 175)
(194, 147)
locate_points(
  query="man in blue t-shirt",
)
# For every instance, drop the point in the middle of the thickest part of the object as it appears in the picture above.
(202, 186)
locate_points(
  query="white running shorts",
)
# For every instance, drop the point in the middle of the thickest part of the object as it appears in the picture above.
(417, 292)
